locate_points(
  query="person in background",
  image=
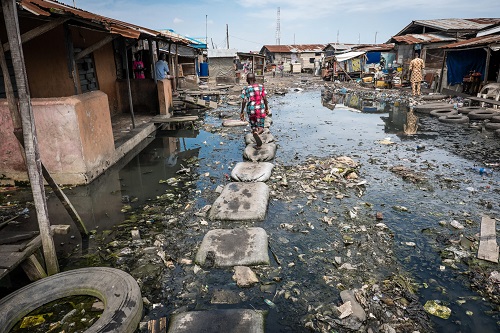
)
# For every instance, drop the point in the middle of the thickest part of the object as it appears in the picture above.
(161, 67)
(138, 67)
(254, 99)
(416, 66)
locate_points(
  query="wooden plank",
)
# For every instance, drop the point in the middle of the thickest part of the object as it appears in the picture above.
(8, 248)
(9, 237)
(199, 101)
(446, 91)
(14, 259)
(33, 33)
(33, 269)
(164, 119)
(488, 247)
(94, 47)
(33, 160)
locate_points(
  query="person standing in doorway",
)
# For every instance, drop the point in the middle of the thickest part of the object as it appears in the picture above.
(416, 66)
(161, 67)
(138, 67)
(254, 100)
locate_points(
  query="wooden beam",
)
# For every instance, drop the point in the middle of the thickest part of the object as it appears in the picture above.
(127, 73)
(152, 59)
(32, 152)
(33, 33)
(72, 70)
(94, 47)
(157, 325)
(33, 269)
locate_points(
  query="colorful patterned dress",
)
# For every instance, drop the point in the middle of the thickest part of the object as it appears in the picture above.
(254, 96)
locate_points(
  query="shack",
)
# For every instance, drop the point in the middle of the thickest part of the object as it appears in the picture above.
(221, 66)
(257, 64)
(345, 66)
(302, 56)
(79, 70)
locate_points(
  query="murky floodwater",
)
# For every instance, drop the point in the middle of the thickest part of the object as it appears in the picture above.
(304, 128)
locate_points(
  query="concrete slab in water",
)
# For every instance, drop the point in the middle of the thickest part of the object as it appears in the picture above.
(234, 123)
(265, 153)
(234, 247)
(265, 137)
(252, 171)
(217, 321)
(241, 201)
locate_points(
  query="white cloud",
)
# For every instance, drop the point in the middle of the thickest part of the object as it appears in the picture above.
(178, 20)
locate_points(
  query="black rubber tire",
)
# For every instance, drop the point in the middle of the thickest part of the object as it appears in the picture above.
(492, 126)
(443, 112)
(481, 114)
(468, 109)
(495, 119)
(497, 133)
(427, 108)
(434, 97)
(118, 290)
(454, 119)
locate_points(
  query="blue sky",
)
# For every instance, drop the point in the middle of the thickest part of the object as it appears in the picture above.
(252, 23)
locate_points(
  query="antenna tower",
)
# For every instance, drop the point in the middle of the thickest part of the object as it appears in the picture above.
(278, 32)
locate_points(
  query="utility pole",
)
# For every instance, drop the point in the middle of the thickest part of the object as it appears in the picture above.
(278, 32)
(33, 161)
(227, 35)
(376, 37)
(338, 36)
(206, 30)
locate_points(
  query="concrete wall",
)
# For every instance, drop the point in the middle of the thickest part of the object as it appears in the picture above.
(222, 70)
(74, 135)
(144, 96)
(165, 100)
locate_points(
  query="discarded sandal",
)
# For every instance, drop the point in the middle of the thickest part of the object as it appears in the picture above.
(257, 139)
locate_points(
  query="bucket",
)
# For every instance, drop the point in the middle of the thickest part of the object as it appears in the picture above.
(204, 69)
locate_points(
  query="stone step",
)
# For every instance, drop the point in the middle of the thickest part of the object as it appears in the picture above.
(267, 152)
(265, 137)
(252, 171)
(241, 201)
(234, 123)
(217, 321)
(268, 122)
(233, 247)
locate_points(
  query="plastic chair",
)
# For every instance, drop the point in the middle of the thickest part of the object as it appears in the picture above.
(490, 91)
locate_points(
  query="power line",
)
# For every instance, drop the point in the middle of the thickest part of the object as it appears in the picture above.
(246, 40)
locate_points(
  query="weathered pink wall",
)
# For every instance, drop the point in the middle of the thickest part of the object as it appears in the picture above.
(165, 96)
(74, 136)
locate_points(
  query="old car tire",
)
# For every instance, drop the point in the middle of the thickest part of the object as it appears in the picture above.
(443, 112)
(495, 119)
(118, 290)
(427, 108)
(468, 109)
(492, 126)
(454, 119)
(481, 114)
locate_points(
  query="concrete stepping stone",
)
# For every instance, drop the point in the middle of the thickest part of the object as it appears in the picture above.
(265, 137)
(241, 201)
(252, 171)
(268, 122)
(265, 153)
(233, 247)
(217, 321)
(234, 123)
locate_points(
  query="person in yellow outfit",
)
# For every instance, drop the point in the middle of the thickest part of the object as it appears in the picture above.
(416, 66)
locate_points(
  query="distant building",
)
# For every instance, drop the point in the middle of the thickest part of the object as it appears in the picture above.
(303, 56)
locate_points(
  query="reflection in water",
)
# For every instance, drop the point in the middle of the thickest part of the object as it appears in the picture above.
(411, 126)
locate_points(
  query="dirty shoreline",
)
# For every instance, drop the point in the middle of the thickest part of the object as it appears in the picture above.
(348, 211)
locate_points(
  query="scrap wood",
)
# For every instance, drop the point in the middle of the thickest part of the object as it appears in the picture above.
(488, 247)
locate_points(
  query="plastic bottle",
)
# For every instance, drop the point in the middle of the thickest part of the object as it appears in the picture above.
(482, 171)
(420, 147)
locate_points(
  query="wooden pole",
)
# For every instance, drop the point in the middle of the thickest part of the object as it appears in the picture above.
(72, 70)
(487, 68)
(18, 133)
(176, 69)
(130, 102)
(33, 161)
(152, 59)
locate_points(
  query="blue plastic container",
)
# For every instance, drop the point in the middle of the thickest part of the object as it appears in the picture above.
(204, 69)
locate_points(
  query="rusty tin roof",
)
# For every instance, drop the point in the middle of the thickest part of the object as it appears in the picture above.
(477, 41)
(56, 9)
(297, 48)
(423, 38)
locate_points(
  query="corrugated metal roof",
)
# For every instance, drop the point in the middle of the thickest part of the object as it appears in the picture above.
(477, 41)
(128, 30)
(374, 47)
(423, 38)
(459, 24)
(297, 48)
